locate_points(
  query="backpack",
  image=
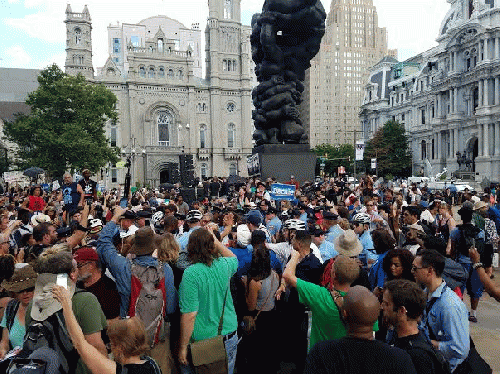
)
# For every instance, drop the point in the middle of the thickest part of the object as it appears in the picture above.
(10, 313)
(148, 300)
(469, 236)
(441, 365)
(52, 333)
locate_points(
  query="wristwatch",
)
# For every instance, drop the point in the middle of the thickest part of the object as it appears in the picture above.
(478, 265)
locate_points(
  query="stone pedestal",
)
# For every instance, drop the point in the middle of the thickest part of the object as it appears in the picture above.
(280, 161)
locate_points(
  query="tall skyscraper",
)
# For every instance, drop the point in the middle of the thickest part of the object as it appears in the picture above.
(353, 42)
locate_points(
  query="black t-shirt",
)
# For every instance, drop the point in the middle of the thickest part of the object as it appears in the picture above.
(88, 187)
(146, 368)
(422, 359)
(107, 294)
(352, 356)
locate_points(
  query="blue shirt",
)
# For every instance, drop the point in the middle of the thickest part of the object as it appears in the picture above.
(183, 240)
(367, 254)
(121, 269)
(449, 323)
(377, 274)
(273, 226)
(333, 232)
(244, 256)
(327, 250)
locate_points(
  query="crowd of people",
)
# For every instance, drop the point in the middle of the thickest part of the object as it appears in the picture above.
(341, 278)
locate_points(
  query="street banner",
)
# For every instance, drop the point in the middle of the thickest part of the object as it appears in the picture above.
(253, 165)
(360, 150)
(374, 163)
(281, 191)
(341, 170)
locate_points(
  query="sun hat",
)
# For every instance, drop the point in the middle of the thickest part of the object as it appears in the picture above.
(348, 244)
(44, 303)
(479, 205)
(22, 279)
(143, 244)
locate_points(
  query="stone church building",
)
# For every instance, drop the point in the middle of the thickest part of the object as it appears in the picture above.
(448, 97)
(166, 108)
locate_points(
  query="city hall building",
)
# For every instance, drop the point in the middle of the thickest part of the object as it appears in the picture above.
(448, 98)
(165, 108)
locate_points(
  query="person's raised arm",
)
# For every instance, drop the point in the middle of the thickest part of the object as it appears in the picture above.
(490, 286)
(93, 358)
(81, 229)
(289, 274)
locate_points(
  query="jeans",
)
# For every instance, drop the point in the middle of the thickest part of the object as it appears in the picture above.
(231, 349)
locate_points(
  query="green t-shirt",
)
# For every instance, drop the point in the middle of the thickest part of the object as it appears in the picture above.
(89, 315)
(202, 290)
(326, 322)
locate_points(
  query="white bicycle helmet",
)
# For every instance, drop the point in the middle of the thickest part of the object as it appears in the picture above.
(157, 217)
(295, 224)
(361, 218)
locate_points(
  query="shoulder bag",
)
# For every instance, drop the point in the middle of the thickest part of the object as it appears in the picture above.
(209, 355)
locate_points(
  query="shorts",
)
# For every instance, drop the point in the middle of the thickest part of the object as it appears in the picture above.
(474, 286)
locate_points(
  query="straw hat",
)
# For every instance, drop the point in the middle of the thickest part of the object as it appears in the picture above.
(22, 279)
(348, 244)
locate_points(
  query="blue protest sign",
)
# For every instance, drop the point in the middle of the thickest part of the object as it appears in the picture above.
(282, 192)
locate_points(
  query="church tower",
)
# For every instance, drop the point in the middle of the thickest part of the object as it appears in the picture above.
(79, 43)
(227, 45)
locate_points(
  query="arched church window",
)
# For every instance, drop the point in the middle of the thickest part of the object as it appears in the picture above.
(151, 50)
(165, 120)
(78, 35)
(142, 72)
(231, 135)
(233, 169)
(234, 65)
(151, 73)
(160, 45)
(203, 136)
(180, 75)
(110, 71)
(161, 72)
(170, 73)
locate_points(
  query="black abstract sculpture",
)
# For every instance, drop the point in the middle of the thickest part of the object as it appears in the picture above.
(285, 37)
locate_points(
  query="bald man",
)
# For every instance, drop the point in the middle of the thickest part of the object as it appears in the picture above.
(358, 352)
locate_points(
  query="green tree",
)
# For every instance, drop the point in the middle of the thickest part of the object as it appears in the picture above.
(337, 155)
(389, 146)
(65, 129)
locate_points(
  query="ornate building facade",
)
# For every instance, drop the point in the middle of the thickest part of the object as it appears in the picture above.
(166, 109)
(352, 43)
(448, 97)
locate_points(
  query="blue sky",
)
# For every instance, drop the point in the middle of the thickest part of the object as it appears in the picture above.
(34, 31)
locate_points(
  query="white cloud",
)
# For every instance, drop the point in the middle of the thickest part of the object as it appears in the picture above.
(17, 57)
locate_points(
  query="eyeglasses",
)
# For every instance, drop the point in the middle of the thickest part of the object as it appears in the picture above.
(415, 268)
(31, 289)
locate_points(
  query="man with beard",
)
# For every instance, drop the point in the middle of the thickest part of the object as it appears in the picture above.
(91, 278)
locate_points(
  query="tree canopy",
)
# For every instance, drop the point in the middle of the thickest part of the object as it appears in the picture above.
(337, 155)
(389, 146)
(66, 127)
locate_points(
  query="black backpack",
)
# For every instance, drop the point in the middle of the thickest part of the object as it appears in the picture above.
(52, 333)
(469, 236)
(441, 365)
